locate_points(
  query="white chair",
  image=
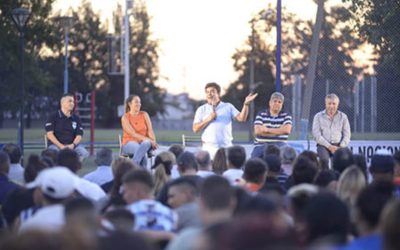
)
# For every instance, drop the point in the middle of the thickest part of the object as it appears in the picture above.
(191, 140)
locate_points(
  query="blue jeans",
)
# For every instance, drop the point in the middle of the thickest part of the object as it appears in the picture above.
(138, 150)
(258, 150)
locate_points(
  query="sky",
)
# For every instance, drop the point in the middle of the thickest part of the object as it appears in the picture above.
(197, 38)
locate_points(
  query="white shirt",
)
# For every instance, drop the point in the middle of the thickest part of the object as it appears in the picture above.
(233, 175)
(49, 218)
(100, 176)
(205, 173)
(16, 173)
(89, 189)
(219, 131)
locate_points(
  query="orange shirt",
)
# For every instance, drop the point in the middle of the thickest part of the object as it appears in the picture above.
(138, 123)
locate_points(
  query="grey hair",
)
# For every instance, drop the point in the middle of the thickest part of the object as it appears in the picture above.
(277, 95)
(332, 96)
(104, 157)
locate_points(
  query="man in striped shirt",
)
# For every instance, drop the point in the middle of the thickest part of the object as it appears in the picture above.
(271, 126)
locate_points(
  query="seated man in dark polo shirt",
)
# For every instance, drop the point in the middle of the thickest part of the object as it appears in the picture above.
(64, 129)
(271, 126)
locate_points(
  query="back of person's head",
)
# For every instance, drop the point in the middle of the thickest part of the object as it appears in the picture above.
(120, 167)
(119, 240)
(162, 169)
(304, 170)
(139, 176)
(350, 184)
(32, 240)
(220, 164)
(50, 153)
(272, 149)
(216, 193)
(327, 219)
(390, 221)
(255, 231)
(182, 191)
(236, 156)
(273, 163)
(371, 201)
(258, 204)
(382, 165)
(186, 161)
(255, 170)
(104, 157)
(121, 218)
(361, 162)
(325, 178)
(203, 159)
(81, 211)
(4, 163)
(299, 196)
(70, 159)
(14, 152)
(396, 158)
(288, 155)
(33, 167)
(176, 149)
(312, 156)
(342, 158)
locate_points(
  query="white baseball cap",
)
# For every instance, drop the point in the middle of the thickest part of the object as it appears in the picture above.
(56, 182)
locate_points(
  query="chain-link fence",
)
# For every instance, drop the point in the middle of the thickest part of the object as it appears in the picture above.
(367, 84)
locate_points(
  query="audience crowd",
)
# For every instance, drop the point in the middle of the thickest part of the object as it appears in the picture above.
(282, 200)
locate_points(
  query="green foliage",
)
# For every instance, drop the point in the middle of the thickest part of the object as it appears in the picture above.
(377, 21)
(36, 38)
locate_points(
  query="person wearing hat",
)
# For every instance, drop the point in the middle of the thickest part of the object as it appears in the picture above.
(271, 126)
(382, 166)
(330, 129)
(52, 187)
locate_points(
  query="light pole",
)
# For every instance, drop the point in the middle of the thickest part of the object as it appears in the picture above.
(128, 5)
(66, 21)
(20, 16)
(278, 45)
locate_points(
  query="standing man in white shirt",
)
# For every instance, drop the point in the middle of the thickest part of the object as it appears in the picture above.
(215, 119)
(331, 130)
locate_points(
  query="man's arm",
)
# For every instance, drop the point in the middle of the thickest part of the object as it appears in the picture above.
(260, 130)
(204, 123)
(242, 116)
(346, 132)
(51, 137)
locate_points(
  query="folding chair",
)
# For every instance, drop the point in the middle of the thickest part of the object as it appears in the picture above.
(190, 140)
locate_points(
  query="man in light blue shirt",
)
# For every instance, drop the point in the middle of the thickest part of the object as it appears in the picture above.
(215, 119)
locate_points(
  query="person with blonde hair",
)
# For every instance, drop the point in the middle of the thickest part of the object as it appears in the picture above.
(162, 170)
(138, 135)
(349, 186)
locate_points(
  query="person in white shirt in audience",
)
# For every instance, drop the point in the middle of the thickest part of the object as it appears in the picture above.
(52, 187)
(103, 173)
(16, 172)
(236, 156)
(203, 159)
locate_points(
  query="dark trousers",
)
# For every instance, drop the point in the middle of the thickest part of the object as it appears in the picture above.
(324, 155)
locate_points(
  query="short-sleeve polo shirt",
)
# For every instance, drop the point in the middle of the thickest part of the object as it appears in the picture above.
(65, 128)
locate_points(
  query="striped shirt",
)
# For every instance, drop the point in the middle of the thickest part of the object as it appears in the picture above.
(265, 118)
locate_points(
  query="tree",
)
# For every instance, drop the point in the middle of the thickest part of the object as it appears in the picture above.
(36, 39)
(377, 21)
(256, 49)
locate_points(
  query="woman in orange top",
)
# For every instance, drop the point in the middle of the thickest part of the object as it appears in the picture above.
(138, 135)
